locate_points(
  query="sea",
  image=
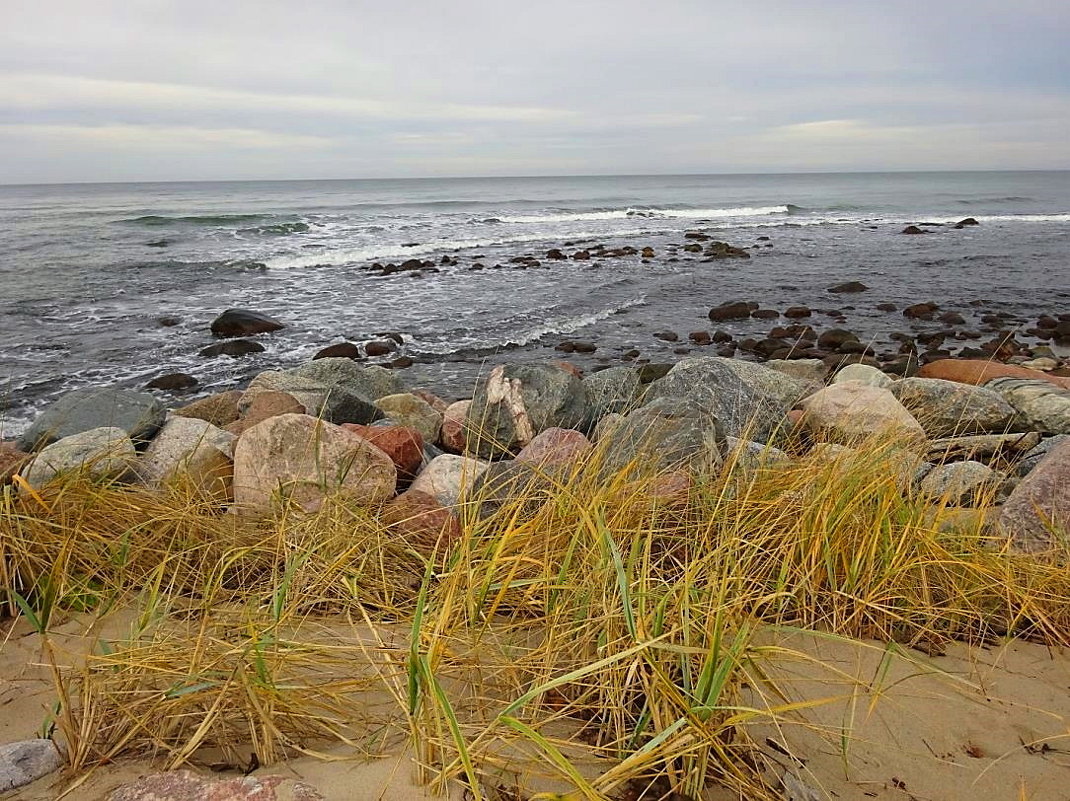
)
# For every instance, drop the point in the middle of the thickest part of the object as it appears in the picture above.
(105, 284)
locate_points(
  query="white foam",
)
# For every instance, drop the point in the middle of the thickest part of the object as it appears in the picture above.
(620, 214)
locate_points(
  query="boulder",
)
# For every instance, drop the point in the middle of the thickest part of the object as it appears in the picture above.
(751, 455)
(864, 374)
(947, 408)
(235, 348)
(448, 478)
(452, 435)
(340, 350)
(668, 433)
(27, 761)
(810, 371)
(851, 412)
(404, 445)
(335, 389)
(613, 390)
(960, 483)
(508, 481)
(420, 520)
(220, 409)
(138, 414)
(409, 410)
(302, 459)
(977, 371)
(732, 310)
(263, 405)
(105, 452)
(194, 449)
(555, 447)
(433, 400)
(605, 425)
(172, 382)
(742, 408)
(371, 381)
(982, 446)
(1042, 406)
(1036, 516)
(518, 401)
(1031, 458)
(783, 387)
(185, 785)
(243, 323)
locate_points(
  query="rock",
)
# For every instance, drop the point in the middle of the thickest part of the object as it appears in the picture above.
(185, 785)
(1031, 458)
(733, 310)
(265, 405)
(668, 433)
(519, 400)
(420, 520)
(715, 385)
(1042, 406)
(765, 314)
(722, 250)
(797, 312)
(913, 229)
(11, 461)
(835, 338)
(886, 307)
(1037, 513)
(508, 481)
(952, 318)
(977, 371)
(615, 389)
(433, 400)
(784, 388)
(220, 409)
(379, 347)
(863, 373)
(27, 761)
(555, 447)
(647, 252)
(700, 337)
(452, 435)
(340, 350)
(752, 455)
(105, 452)
(811, 371)
(448, 478)
(921, 311)
(302, 459)
(409, 410)
(606, 424)
(243, 323)
(960, 483)
(667, 336)
(323, 388)
(978, 446)
(966, 223)
(850, 412)
(404, 445)
(193, 449)
(139, 414)
(648, 373)
(848, 287)
(173, 382)
(373, 381)
(947, 408)
(168, 321)
(234, 348)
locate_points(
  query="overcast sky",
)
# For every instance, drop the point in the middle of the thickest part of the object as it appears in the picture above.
(104, 90)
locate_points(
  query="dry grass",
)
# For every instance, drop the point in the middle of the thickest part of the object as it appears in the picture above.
(584, 629)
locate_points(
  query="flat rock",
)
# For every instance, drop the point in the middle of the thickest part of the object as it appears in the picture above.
(409, 410)
(947, 408)
(194, 449)
(27, 761)
(976, 371)
(1031, 458)
(1036, 516)
(242, 323)
(105, 452)
(220, 409)
(184, 785)
(138, 414)
(447, 478)
(982, 446)
(303, 460)
(850, 412)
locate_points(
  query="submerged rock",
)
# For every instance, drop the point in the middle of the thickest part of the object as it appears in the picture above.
(243, 323)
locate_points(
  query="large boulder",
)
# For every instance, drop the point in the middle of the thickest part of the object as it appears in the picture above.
(666, 434)
(452, 436)
(960, 483)
(947, 408)
(301, 459)
(1041, 405)
(1036, 516)
(409, 410)
(555, 447)
(743, 408)
(850, 412)
(403, 445)
(192, 449)
(220, 409)
(782, 387)
(372, 381)
(864, 374)
(27, 761)
(977, 371)
(614, 390)
(105, 452)
(185, 785)
(139, 414)
(420, 520)
(333, 389)
(1032, 457)
(243, 323)
(517, 401)
(448, 478)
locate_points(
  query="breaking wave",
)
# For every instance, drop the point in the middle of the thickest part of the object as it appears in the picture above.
(622, 214)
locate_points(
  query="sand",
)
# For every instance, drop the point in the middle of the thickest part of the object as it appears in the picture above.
(883, 722)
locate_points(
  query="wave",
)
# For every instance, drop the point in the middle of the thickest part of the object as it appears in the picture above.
(156, 220)
(276, 229)
(654, 213)
(1008, 199)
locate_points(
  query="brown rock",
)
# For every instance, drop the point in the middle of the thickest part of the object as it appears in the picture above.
(174, 382)
(734, 310)
(977, 371)
(700, 337)
(185, 785)
(555, 447)
(1036, 516)
(220, 410)
(402, 444)
(345, 350)
(11, 461)
(848, 287)
(452, 435)
(421, 520)
(263, 406)
(921, 311)
(241, 323)
(380, 347)
(913, 229)
(797, 312)
(431, 399)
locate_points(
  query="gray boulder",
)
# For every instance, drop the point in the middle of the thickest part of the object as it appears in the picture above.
(517, 401)
(1042, 405)
(784, 388)
(1036, 516)
(960, 483)
(947, 408)
(100, 453)
(749, 409)
(611, 391)
(373, 381)
(138, 414)
(27, 761)
(665, 434)
(1031, 458)
(192, 448)
(334, 389)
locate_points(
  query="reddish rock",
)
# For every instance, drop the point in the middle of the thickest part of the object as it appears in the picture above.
(432, 400)
(380, 347)
(403, 445)
(977, 371)
(220, 409)
(554, 447)
(421, 520)
(569, 367)
(11, 461)
(700, 337)
(185, 785)
(452, 436)
(264, 406)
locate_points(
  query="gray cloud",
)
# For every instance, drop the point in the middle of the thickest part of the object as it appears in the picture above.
(159, 90)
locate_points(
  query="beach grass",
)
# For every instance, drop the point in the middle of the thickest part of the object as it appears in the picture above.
(594, 636)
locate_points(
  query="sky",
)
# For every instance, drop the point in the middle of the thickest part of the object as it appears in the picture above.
(132, 90)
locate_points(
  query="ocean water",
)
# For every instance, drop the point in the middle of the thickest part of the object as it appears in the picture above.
(87, 271)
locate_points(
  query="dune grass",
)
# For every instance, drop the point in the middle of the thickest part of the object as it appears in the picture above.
(592, 631)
